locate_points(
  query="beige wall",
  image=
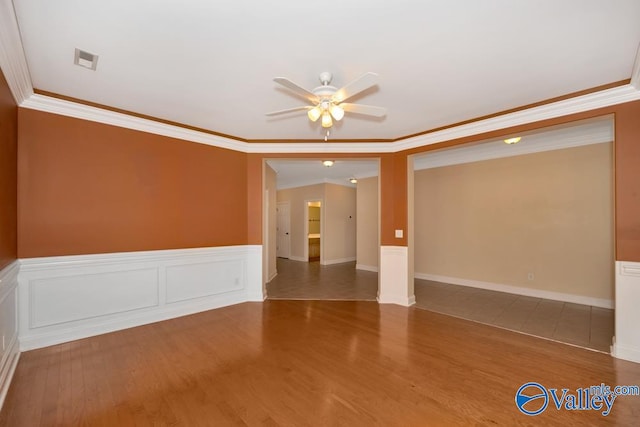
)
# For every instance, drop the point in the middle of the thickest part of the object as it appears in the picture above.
(340, 223)
(367, 226)
(339, 232)
(496, 221)
(297, 198)
(270, 253)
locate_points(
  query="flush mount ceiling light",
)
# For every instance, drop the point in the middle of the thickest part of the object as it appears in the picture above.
(353, 180)
(328, 163)
(513, 140)
(328, 101)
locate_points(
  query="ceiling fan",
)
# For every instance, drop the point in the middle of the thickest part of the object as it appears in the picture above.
(328, 101)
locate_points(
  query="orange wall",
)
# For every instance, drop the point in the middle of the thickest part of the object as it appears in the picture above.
(627, 177)
(86, 187)
(8, 174)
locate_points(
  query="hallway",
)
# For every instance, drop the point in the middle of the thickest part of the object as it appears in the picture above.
(312, 281)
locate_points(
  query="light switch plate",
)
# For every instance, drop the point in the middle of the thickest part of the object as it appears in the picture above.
(398, 234)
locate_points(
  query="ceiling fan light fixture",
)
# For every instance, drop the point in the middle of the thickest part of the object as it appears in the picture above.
(513, 140)
(328, 163)
(314, 113)
(326, 120)
(353, 180)
(336, 111)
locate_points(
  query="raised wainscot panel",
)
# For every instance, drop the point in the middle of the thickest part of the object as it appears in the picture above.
(71, 298)
(198, 280)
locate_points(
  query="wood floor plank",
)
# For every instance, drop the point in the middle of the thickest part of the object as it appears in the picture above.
(307, 363)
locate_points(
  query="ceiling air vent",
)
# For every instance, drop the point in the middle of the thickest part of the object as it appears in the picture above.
(85, 59)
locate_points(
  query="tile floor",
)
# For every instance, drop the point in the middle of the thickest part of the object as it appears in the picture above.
(577, 324)
(581, 325)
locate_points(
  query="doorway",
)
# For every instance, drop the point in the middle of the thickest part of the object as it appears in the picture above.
(313, 231)
(283, 223)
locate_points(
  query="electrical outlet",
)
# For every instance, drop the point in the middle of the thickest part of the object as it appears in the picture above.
(530, 276)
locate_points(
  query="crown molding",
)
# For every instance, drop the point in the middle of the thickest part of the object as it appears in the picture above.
(307, 183)
(12, 59)
(579, 104)
(635, 74)
(605, 98)
(600, 131)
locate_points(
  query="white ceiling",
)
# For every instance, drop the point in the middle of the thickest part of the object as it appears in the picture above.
(298, 173)
(210, 64)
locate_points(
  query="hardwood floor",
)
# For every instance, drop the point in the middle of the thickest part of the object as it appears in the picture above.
(310, 280)
(308, 363)
(575, 324)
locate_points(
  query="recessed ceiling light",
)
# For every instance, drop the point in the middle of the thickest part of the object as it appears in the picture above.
(513, 140)
(328, 163)
(353, 180)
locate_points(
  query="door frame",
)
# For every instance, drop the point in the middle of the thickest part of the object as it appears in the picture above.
(306, 227)
(288, 236)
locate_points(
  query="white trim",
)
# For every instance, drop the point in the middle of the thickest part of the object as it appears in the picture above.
(12, 59)
(298, 258)
(337, 261)
(273, 276)
(306, 183)
(62, 107)
(626, 344)
(367, 267)
(394, 276)
(579, 104)
(8, 369)
(589, 133)
(626, 353)
(71, 297)
(9, 300)
(605, 98)
(518, 290)
(635, 74)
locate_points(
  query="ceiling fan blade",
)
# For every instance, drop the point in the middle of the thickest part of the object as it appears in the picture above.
(289, 110)
(297, 89)
(367, 110)
(363, 82)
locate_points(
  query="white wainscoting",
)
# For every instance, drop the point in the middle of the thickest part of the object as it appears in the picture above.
(518, 290)
(394, 279)
(627, 336)
(8, 326)
(71, 297)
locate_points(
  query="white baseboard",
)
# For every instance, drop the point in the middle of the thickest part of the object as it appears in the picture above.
(10, 350)
(510, 289)
(273, 276)
(337, 261)
(72, 297)
(367, 267)
(298, 258)
(397, 300)
(627, 353)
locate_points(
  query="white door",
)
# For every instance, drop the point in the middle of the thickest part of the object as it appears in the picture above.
(282, 230)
